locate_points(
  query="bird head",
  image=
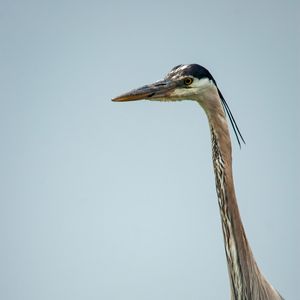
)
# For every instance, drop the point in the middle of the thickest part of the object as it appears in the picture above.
(183, 82)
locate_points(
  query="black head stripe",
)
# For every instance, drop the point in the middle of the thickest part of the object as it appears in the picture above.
(194, 70)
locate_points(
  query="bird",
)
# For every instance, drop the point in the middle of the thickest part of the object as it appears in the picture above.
(195, 83)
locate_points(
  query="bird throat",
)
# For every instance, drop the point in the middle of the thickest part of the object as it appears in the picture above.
(230, 239)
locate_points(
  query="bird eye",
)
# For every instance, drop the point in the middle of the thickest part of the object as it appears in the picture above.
(188, 81)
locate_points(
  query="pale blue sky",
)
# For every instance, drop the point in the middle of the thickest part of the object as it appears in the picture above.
(102, 200)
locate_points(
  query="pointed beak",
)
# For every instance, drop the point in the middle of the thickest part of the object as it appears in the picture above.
(157, 91)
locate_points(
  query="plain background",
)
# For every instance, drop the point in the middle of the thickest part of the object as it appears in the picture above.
(103, 200)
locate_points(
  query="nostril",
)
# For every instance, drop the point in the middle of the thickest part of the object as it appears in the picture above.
(160, 84)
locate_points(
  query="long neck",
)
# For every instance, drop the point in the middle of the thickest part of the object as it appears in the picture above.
(245, 278)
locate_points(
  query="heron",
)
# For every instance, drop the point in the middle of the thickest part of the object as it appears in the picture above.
(194, 82)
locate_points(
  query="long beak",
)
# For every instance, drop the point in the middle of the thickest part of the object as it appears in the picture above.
(158, 90)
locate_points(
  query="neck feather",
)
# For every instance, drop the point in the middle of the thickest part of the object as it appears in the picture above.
(245, 278)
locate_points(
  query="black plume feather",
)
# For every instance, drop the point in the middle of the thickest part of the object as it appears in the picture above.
(232, 120)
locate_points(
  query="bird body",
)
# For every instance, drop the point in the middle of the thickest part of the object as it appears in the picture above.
(194, 82)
